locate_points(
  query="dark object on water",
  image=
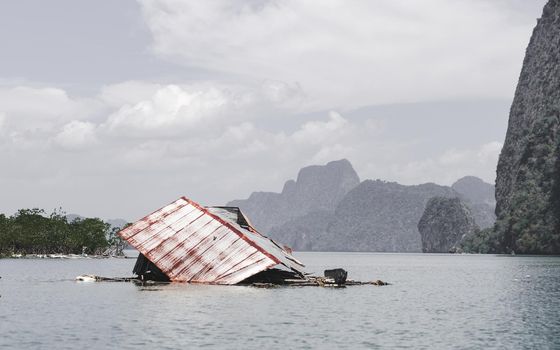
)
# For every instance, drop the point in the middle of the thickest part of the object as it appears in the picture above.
(379, 283)
(147, 271)
(272, 276)
(338, 275)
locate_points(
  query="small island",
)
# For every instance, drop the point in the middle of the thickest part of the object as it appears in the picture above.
(33, 232)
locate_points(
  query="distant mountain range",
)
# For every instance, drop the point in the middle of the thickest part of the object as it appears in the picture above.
(328, 209)
(317, 188)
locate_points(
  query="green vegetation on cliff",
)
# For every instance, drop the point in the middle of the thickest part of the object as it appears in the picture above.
(481, 242)
(528, 174)
(531, 223)
(31, 231)
(445, 222)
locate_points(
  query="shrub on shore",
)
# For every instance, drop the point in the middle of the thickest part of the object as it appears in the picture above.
(32, 231)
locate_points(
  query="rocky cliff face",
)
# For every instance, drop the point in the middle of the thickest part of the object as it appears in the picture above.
(528, 174)
(444, 223)
(317, 189)
(305, 233)
(326, 210)
(475, 190)
(479, 197)
(375, 216)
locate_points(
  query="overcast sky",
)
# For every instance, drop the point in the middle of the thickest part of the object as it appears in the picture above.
(116, 108)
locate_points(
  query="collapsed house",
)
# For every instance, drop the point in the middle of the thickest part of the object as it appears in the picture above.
(186, 242)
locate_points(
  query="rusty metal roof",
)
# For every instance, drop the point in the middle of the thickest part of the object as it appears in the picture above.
(191, 243)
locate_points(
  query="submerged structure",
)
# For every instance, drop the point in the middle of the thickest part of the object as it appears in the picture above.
(186, 242)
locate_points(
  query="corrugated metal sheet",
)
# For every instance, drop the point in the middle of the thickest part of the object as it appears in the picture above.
(190, 243)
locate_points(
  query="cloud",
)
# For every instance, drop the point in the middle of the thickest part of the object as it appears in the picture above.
(241, 95)
(350, 54)
(33, 117)
(48, 103)
(2, 121)
(211, 141)
(283, 94)
(76, 135)
(170, 110)
(127, 93)
(180, 110)
(451, 165)
(489, 152)
(35, 112)
(317, 132)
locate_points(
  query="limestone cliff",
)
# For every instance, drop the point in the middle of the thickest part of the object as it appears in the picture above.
(479, 197)
(381, 216)
(317, 188)
(444, 223)
(326, 209)
(528, 174)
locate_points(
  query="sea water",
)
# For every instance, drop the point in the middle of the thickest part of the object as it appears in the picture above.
(433, 302)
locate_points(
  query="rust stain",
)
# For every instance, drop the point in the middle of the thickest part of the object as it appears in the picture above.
(189, 243)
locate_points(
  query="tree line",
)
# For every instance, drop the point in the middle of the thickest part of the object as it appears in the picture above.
(33, 231)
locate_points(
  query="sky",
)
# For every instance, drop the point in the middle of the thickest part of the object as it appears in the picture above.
(116, 108)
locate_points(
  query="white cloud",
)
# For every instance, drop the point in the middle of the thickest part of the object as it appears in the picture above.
(351, 53)
(2, 121)
(127, 93)
(32, 117)
(211, 141)
(22, 101)
(317, 132)
(155, 110)
(76, 135)
(283, 94)
(170, 110)
(35, 112)
(489, 153)
(253, 111)
(44, 104)
(451, 165)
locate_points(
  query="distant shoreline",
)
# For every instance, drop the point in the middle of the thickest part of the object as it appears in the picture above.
(63, 256)
(128, 256)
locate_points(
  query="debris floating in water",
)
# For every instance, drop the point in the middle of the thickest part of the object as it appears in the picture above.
(186, 242)
(94, 278)
(87, 278)
(309, 281)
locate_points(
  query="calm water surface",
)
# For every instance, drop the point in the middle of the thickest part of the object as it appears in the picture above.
(435, 302)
